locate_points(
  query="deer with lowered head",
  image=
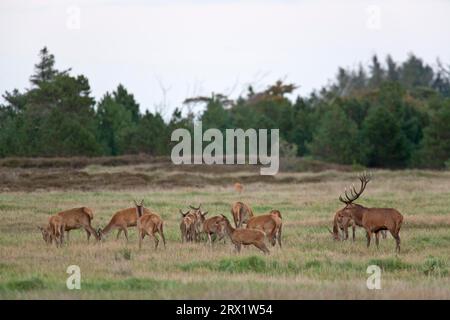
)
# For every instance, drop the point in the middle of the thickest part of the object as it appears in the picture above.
(78, 218)
(240, 236)
(241, 213)
(54, 231)
(270, 224)
(373, 220)
(148, 224)
(214, 226)
(121, 221)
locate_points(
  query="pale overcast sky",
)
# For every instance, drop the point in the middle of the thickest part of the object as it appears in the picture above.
(196, 47)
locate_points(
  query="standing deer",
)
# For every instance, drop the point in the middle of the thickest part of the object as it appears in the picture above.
(214, 226)
(191, 223)
(121, 220)
(187, 226)
(241, 237)
(148, 224)
(241, 213)
(54, 231)
(78, 218)
(270, 224)
(373, 220)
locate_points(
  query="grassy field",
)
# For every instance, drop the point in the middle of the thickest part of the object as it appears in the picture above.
(310, 264)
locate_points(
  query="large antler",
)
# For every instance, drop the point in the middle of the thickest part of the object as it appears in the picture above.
(364, 178)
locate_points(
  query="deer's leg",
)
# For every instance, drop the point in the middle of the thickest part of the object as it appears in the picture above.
(384, 233)
(377, 239)
(209, 239)
(353, 231)
(397, 241)
(155, 237)
(369, 236)
(67, 236)
(279, 236)
(118, 234)
(88, 235)
(91, 231)
(262, 246)
(141, 236)
(125, 232)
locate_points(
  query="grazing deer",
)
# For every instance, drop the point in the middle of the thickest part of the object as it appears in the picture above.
(343, 222)
(122, 220)
(373, 220)
(54, 231)
(148, 224)
(78, 218)
(238, 187)
(241, 213)
(214, 226)
(270, 224)
(241, 237)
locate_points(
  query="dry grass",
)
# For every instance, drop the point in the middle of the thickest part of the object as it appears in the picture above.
(310, 265)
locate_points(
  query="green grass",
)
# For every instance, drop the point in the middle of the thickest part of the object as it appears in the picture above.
(310, 264)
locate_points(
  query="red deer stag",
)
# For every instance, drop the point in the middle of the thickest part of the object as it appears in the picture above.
(241, 213)
(373, 220)
(148, 224)
(241, 237)
(78, 218)
(270, 223)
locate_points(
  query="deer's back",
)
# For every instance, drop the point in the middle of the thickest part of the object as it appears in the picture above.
(248, 236)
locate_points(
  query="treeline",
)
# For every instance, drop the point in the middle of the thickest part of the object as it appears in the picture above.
(392, 115)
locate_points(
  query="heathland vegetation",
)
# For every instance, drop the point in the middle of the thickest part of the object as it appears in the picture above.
(386, 115)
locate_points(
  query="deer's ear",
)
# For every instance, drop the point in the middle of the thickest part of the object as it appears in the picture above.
(142, 202)
(135, 203)
(204, 213)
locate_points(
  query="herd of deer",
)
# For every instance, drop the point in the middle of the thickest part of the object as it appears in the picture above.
(194, 225)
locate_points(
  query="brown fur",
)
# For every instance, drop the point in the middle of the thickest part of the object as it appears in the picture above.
(150, 224)
(122, 220)
(270, 224)
(241, 237)
(241, 213)
(374, 220)
(53, 231)
(78, 218)
(192, 223)
(213, 226)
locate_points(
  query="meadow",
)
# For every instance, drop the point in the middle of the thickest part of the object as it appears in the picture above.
(310, 265)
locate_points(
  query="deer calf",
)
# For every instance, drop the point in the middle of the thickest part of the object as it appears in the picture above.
(241, 213)
(241, 237)
(54, 231)
(214, 226)
(270, 224)
(148, 224)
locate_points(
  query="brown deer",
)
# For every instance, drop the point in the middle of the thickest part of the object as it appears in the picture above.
(78, 218)
(148, 224)
(191, 223)
(270, 224)
(373, 220)
(214, 226)
(241, 213)
(238, 187)
(54, 231)
(187, 226)
(344, 222)
(241, 237)
(121, 220)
